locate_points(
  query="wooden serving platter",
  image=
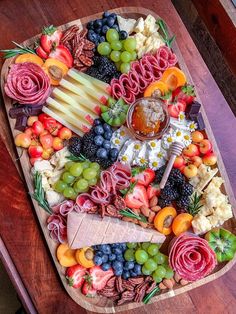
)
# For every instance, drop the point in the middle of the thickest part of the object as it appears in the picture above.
(103, 305)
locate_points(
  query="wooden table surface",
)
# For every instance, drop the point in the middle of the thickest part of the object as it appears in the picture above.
(19, 228)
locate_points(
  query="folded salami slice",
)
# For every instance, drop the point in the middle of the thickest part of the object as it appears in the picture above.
(128, 84)
(122, 173)
(191, 257)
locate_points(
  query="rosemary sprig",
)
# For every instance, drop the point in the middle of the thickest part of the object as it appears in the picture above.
(195, 204)
(168, 41)
(39, 194)
(130, 214)
(8, 53)
(147, 298)
(76, 158)
(130, 189)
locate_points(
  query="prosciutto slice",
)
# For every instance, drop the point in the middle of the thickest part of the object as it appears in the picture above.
(84, 203)
(142, 73)
(191, 257)
(57, 228)
(64, 208)
(122, 174)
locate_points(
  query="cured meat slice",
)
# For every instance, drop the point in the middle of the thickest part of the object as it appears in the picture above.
(64, 208)
(122, 173)
(57, 228)
(86, 230)
(191, 257)
(129, 84)
(100, 196)
(108, 182)
(84, 202)
(117, 89)
(27, 83)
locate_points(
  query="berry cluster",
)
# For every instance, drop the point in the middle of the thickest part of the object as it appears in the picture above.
(176, 189)
(103, 69)
(95, 145)
(97, 29)
(112, 255)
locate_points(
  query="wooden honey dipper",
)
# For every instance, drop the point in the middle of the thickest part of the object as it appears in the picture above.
(175, 150)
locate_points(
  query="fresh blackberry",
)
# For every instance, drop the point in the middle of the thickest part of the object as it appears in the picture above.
(163, 202)
(75, 145)
(104, 163)
(176, 176)
(159, 174)
(89, 149)
(183, 202)
(169, 193)
(186, 189)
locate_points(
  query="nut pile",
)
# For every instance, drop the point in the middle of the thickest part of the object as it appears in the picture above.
(130, 290)
(170, 283)
(80, 47)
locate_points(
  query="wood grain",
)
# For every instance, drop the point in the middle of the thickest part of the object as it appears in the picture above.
(38, 287)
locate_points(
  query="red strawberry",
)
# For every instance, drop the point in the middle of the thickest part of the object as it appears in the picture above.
(88, 290)
(144, 177)
(137, 198)
(41, 53)
(175, 108)
(50, 38)
(153, 190)
(75, 276)
(62, 54)
(99, 278)
(185, 93)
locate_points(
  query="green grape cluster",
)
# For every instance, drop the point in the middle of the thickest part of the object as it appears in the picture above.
(153, 262)
(122, 52)
(77, 178)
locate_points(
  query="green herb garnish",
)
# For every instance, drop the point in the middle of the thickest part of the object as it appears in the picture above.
(130, 214)
(130, 189)
(137, 170)
(195, 204)
(9, 53)
(147, 298)
(76, 158)
(39, 194)
(168, 41)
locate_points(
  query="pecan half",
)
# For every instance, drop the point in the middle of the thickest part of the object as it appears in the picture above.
(118, 283)
(119, 202)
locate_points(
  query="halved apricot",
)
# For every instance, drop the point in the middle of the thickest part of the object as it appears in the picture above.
(156, 89)
(164, 218)
(66, 256)
(55, 69)
(29, 57)
(182, 223)
(173, 77)
(85, 257)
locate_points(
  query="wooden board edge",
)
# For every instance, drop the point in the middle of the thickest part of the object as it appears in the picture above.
(40, 214)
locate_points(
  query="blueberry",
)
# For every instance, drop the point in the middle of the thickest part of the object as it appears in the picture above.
(99, 253)
(118, 272)
(105, 248)
(104, 21)
(105, 28)
(98, 130)
(113, 15)
(106, 144)
(97, 260)
(123, 246)
(107, 127)
(129, 265)
(126, 274)
(138, 269)
(116, 27)
(106, 14)
(102, 39)
(104, 258)
(98, 23)
(120, 258)
(116, 265)
(106, 266)
(117, 250)
(97, 122)
(107, 135)
(113, 245)
(98, 140)
(123, 35)
(112, 257)
(90, 25)
(98, 30)
(92, 36)
(133, 273)
(110, 21)
(101, 153)
(114, 153)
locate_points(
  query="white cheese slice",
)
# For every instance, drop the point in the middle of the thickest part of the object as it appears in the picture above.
(139, 25)
(126, 24)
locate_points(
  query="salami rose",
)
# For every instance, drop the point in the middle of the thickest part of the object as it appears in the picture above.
(191, 257)
(27, 83)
